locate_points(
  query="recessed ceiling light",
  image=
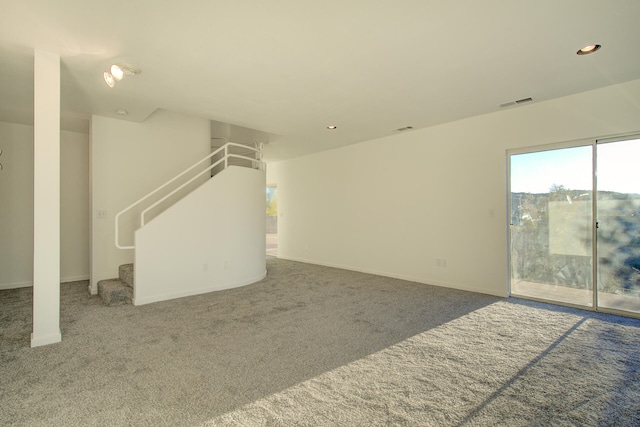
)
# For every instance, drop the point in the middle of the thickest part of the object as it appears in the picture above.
(332, 127)
(588, 49)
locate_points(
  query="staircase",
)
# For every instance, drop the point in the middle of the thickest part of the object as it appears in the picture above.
(118, 291)
(192, 194)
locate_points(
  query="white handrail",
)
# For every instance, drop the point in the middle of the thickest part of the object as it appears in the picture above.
(235, 156)
(227, 155)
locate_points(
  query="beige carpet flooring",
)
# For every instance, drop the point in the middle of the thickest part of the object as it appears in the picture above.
(315, 346)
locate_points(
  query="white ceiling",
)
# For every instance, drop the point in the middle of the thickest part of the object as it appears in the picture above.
(292, 67)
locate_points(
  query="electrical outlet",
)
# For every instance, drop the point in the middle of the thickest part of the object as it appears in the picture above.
(226, 264)
(102, 213)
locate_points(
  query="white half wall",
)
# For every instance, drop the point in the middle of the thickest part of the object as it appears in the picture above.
(213, 239)
(16, 209)
(395, 206)
(128, 160)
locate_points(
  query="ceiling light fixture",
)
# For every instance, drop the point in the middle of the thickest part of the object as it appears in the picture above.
(118, 72)
(122, 112)
(108, 79)
(588, 49)
(332, 127)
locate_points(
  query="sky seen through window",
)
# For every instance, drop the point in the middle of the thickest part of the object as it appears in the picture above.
(618, 168)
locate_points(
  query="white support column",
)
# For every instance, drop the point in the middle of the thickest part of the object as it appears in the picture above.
(46, 199)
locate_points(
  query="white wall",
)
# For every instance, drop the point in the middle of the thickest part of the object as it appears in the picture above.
(395, 205)
(213, 239)
(225, 132)
(127, 161)
(74, 206)
(16, 206)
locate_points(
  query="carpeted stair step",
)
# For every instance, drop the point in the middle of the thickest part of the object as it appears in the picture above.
(115, 292)
(125, 272)
(118, 291)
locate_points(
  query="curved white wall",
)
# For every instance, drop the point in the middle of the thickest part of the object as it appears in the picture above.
(213, 239)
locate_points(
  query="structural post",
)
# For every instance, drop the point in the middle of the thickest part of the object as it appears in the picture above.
(46, 199)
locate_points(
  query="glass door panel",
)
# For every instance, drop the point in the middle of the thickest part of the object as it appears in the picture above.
(551, 228)
(618, 246)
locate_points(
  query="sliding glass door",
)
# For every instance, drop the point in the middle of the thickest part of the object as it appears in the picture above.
(619, 225)
(558, 228)
(551, 223)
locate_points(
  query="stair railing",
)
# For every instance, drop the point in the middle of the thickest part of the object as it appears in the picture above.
(256, 163)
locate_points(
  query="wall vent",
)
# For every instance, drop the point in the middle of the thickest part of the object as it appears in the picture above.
(516, 102)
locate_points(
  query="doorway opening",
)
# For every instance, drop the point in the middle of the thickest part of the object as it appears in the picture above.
(272, 220)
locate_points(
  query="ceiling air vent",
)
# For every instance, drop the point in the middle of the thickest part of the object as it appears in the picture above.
(516, 102)
(523, 100)
(404, 128)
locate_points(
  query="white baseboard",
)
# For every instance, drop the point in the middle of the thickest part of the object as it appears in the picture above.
(5, 286)
(74, 279)
(93, 289)
(17, 285)
(399, 276)
(198, 291)
(40, 340)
